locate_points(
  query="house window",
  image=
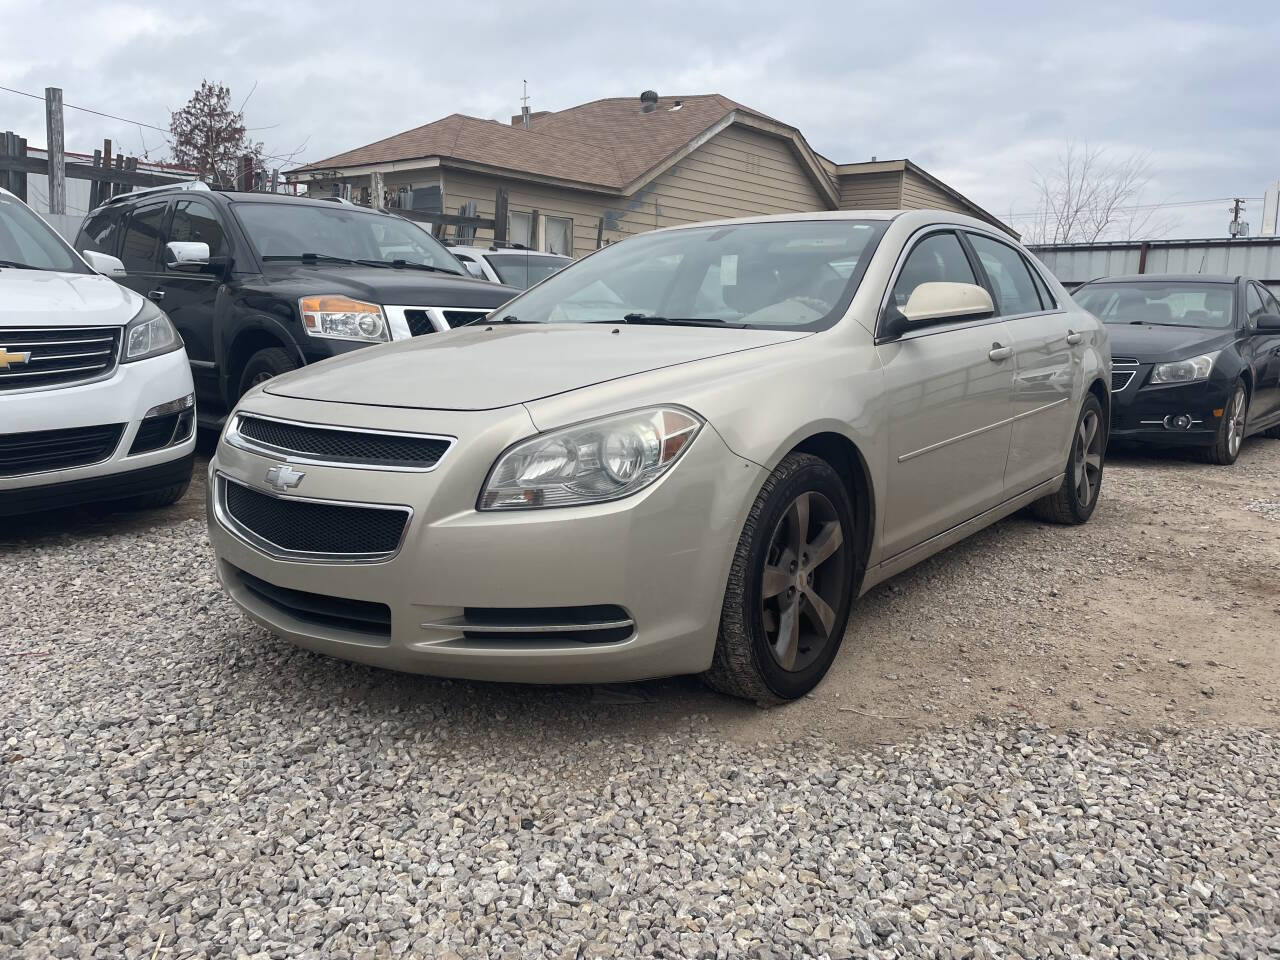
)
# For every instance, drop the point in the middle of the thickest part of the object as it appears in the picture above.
(559, 236)
(519, 228)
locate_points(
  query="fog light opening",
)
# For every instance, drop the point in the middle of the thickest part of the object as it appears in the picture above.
(1180, 422)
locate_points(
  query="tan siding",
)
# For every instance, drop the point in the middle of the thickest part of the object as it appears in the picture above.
(870, 191)
(584, 209)
(919, 194)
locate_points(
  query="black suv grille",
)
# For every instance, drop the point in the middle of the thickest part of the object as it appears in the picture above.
(419, 322)
(40, 450)
(55, 356)
(344, 446)
(307, 527)
(362, 615)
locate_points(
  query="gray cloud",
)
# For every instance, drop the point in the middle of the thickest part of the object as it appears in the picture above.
(978, 95)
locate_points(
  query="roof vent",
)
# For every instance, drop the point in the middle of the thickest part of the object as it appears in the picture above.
(649, 101)
(676, 106)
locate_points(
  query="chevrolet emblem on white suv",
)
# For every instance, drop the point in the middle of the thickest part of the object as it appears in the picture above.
(283, 477)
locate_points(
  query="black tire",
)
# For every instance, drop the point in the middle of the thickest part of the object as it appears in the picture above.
(745, 663)
(1226, 445)
(164, 497)
(1074, 503)
(264, 365)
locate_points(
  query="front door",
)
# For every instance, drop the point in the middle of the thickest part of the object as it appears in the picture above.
(1266, 353)
(949, 392)
(140, 249)
(1047, 360)
(189, 298)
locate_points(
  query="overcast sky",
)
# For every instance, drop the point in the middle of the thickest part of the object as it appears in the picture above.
(979, 94)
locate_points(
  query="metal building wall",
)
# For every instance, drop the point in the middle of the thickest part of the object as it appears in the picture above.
(1073, 264)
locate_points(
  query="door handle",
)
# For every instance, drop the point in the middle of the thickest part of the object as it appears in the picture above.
(1074, 338)
(998, 353)
(156, 295)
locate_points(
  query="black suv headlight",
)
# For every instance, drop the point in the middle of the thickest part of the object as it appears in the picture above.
(149, 334)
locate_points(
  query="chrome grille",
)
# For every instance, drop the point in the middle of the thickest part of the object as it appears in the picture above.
(308, 529)
(307, 443)
(32, 357)
(1123, 371)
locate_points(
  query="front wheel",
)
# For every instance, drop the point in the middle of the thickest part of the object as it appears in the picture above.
(264, 365)
(790, 586)
(1074, 501)
(1226, 446)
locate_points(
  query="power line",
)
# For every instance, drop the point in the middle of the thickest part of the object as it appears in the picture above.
(1140, 206)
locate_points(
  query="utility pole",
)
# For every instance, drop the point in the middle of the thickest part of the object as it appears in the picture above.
(57, 159)
(1235, 228)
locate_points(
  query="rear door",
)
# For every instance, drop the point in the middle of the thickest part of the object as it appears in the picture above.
(950, 398)
(1047, 363)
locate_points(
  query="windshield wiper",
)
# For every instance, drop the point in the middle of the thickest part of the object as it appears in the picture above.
(18, 266)
(319, 258)
(409, 264)
(644, 318)
(1156, 323)
(509, 318)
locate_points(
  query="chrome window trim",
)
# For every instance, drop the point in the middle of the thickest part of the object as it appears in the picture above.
(934, 329)
(236, 439)
(277, 552)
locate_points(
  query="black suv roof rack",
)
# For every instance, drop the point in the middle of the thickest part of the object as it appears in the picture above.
(180, 185)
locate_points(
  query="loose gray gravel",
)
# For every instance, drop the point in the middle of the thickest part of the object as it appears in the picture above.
(175, 783)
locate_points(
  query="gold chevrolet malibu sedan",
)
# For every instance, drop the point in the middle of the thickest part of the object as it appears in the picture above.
(687, 453)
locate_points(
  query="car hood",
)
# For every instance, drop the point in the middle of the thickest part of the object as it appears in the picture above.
(43, 298)
(398, 287)
(496, 365)
(1152, 344)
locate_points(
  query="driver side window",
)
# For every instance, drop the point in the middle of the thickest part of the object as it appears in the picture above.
(937, 258)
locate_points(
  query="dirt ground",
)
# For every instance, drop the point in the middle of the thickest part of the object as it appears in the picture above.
(1164, 609)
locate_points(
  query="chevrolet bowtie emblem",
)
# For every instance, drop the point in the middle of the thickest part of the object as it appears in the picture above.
(284, 477)
(8, 359)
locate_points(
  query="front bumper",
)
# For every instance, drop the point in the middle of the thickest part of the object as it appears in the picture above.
(1140, 411)
(661, 557)
(123, 398)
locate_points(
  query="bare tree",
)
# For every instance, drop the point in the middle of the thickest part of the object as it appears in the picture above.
(1088, 195)
(210, 137)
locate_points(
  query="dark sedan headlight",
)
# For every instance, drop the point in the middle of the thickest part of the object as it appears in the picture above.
(1184, 371)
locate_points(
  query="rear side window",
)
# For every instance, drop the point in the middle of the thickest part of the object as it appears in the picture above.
(194, 222)
(1010, 278)
(142, 238)
(1253, 304)
(101, 232)
(937, 258)
(1042, 288)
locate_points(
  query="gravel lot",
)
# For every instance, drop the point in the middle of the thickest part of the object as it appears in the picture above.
(1043, 742)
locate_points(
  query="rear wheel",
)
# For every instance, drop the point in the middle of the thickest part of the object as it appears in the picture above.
(790, 586)
(264, 365)
(1226, 446)
(1075, 500)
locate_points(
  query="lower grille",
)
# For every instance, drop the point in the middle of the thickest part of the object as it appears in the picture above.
(313, 529)
(56, 356)
(40, 450)
(156, 433)
(1122, 373)
(338, 445)
(363, 616)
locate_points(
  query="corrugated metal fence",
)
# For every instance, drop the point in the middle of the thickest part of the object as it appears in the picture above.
(1075, 263)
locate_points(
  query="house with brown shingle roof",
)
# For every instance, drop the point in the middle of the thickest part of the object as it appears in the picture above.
(604, 170)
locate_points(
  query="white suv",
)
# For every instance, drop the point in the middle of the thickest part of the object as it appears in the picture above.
(96, 399)
(514, 266)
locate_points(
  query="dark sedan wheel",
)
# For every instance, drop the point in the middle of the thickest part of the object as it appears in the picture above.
(790, 586)
(1226, 446)
(1075, 501)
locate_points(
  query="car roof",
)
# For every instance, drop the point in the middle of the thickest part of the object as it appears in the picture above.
(234, 196)
(913, 218)
(1178, 277)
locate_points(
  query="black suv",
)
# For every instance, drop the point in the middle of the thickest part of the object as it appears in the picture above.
(259, 284)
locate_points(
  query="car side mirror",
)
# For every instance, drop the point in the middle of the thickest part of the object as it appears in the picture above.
(186, 256)
(1267, 323)
(104, 263)
(936, 302)
(475, 270)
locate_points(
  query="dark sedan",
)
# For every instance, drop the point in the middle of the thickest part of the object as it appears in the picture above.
(1195, 359)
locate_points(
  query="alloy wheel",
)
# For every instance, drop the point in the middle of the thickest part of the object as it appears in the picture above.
(1235, 422)
(805, 575)
(1088, 458)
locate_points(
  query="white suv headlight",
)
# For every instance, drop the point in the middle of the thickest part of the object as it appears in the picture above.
(337, 317)
(1184, 371)
(592, 462)
(149, 334)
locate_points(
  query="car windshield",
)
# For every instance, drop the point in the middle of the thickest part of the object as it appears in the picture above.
(294, 230)
(1171, 303)
(26, 241)
(796, 274)
(523, 270)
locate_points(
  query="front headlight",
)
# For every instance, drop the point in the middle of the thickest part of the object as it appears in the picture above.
(592, 462)
(1184, 371)
(149, 334)
(341, 318)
